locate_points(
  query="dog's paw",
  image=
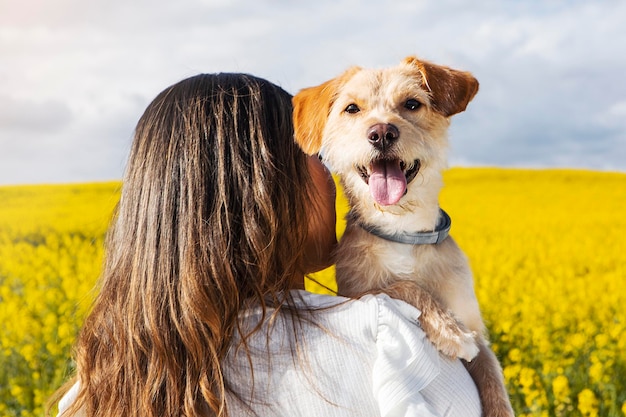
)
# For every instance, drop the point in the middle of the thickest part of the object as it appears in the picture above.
(450, 336)
(468, 346)
(460, 344)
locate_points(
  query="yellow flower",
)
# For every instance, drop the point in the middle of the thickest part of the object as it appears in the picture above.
(527, 377)
(596, 372)
(602, 340)
(560, 388)
(587, 403)
(515, 355)
(511, 373)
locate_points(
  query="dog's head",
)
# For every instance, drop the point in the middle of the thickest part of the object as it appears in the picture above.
(379, 129)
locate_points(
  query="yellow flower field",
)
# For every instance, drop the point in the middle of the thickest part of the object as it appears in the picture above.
(548, 250)
(50, 252)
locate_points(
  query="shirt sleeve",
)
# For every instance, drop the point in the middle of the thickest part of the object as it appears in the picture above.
(406, 361)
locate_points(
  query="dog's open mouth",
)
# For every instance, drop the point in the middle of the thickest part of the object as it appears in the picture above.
(388, 179)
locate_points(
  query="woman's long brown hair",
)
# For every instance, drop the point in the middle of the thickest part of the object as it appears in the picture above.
(213, 214)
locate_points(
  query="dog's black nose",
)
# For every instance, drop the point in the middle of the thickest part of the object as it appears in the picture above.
(382, 135)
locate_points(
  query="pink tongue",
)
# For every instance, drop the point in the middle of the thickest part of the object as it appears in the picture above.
(387, 182)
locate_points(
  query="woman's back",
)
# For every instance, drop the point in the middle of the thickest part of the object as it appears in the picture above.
(361, 358)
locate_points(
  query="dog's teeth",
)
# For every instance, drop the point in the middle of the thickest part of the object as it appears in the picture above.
(363, 173)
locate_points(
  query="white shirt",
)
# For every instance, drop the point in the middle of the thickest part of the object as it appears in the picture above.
(365, 358)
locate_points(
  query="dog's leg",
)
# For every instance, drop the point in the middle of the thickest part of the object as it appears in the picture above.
(487, 375)
(447, 334)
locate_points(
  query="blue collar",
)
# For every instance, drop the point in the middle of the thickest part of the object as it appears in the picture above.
(418, 238)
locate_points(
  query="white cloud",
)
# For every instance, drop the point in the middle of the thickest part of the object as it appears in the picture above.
(77, 75)
(33, 116)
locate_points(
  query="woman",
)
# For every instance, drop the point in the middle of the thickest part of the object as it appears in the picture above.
(201, 309)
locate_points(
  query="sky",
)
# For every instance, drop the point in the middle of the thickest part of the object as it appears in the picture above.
(76, 75)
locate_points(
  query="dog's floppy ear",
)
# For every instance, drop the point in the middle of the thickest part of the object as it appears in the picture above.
(311, 107)
(451, 90)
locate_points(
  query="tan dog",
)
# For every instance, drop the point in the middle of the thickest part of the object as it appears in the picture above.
(385, 133)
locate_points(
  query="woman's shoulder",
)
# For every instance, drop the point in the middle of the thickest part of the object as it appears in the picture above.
(379, 312)
(373, 322)
(404, 361)
(381, 304)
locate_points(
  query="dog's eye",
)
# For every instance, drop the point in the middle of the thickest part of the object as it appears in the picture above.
(352, 108)
(412, 104)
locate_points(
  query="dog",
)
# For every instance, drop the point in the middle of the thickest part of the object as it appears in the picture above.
(384, 133)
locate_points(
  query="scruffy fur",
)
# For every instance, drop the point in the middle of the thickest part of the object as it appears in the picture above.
(412, 104)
